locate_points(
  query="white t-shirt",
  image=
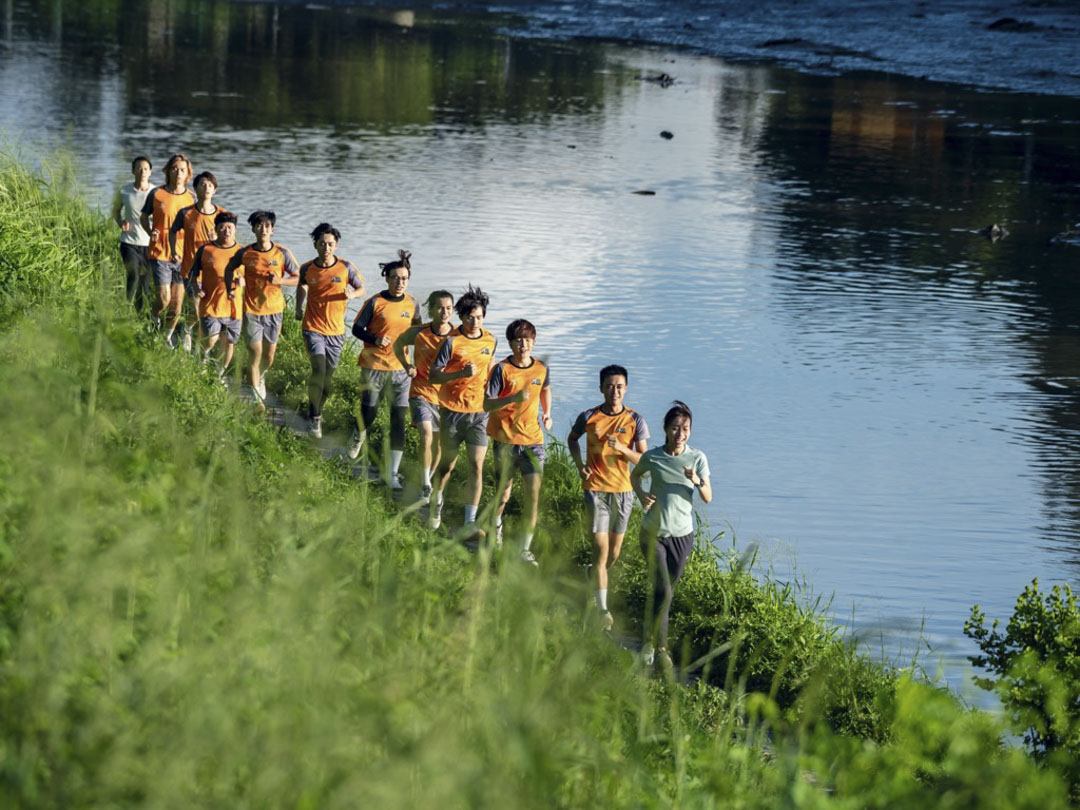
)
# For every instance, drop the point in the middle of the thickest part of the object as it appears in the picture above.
(131, 205)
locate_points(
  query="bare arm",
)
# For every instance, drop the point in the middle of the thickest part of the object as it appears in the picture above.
(545, 405)
(301, 297)
(647, 499)
(406, 339)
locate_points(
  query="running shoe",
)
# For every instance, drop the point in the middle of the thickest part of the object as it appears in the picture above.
(529, 557)
(648, 655)
(261, 390)
(356, 444)
(607, 621)
(498, 534)
(315, 427)
(425, 493)
(187, 341)
(664, 662)
(397, 483)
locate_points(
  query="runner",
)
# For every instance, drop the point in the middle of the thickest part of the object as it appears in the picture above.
(615, 438)
(426, 340)
(196, 227)
(461, 370)
(326, 283)
(380, 322)
(158, 212)
(518, 402)
(667, 532)
(134, 238)
(267, 268)
(219, 312)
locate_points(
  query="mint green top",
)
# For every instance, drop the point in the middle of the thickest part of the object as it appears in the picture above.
(673, 514)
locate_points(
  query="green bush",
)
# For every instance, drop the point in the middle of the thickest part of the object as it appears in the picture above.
(1036, 662)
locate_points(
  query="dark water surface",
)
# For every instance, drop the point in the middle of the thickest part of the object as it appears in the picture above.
(890, 402)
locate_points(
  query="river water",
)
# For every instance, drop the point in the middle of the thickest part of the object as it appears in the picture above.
(890, 402)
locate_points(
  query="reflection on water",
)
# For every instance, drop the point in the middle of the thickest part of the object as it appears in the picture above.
(889, 400)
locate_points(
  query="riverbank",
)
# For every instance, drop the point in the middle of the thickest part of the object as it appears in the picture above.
(196, 609)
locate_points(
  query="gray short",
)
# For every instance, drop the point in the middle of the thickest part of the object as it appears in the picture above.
(215, 326)
(373, 381)
(265, 328)
(424, 411)
(456, 428)
(528, 459)
(166, 273)
(608, 512)
(329, 345)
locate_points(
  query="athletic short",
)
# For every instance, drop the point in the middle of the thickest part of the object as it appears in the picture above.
(528, 459)
(134, 257)
(424, 411)
(375, 380)
(456, 428)
(166, 273)
(216, 326)
(265, 328)
(328, 345)
(608, 511)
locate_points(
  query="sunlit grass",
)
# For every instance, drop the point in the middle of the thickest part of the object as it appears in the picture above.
(197, 610)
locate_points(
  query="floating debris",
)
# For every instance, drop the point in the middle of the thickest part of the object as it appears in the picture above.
(662, 79)
(993, 232)
(666, 135)
(644, 192)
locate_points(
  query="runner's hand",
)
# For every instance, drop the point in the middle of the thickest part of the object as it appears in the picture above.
(585, 473)
(547, 421)
(689, 473)
(469, 370)
(411, 371)
(299, 315)
(125, 226)
(647, 500)
(383, 342)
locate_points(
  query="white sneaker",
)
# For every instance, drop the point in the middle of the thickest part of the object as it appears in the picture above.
(529, 557)
(262, 389)
(397, 483)
(356, 444)
(171, 340)
(607, 621)
(315, 427)
(648, 655)
(425, 493)
(434, 515)
(498, 535)
(187, 341)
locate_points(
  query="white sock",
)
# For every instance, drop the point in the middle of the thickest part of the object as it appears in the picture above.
(395, 461)
(438, 499)
(601, 598)
(498, 521)
(528, 541)
(470, 514)
(427, 478)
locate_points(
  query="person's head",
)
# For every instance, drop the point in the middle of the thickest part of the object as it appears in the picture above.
(677, 423)
(521, 335)
(440, 306)
(471, 308)
(397, 273)
(225, 225)
(178, 170)
(325, 237)
(262, 223)
(613, 380)
(205, 185)
(140, 170)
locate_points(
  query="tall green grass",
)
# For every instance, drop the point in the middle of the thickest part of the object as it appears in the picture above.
(196, 610)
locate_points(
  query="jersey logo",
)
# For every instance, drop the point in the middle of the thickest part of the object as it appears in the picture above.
(620, 430)
(485, 351)
(537, 381)
(274, 263)
(335, 280)
(406, 314)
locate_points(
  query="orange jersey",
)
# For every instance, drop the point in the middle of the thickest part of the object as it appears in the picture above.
(381, 316)
(193, 229)
(425, 349)
(518, 423)
(260, 266)
(208, 267)
(324, 311)
(163, 206)
(610, 472)
(466, 394)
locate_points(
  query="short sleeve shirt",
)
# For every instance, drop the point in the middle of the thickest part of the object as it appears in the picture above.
(193, 229)
(163, 206)
(518, 423)
(465, 394)
(260, 266)
(425, 349)
(208, 267)
(386, 317)
(672, 515)
(131, 206)
(324, 311)
(609, 471)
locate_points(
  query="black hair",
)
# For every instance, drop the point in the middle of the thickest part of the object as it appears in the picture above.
(225, 216)
(613, 370)
(678, 408)
(204, 176)
(520, 328)
(402, 261)
(472, 298)
(135, 162)
(255, 217)
(436, 296)
(324, 228)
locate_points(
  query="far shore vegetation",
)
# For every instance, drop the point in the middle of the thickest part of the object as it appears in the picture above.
(197, 609)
